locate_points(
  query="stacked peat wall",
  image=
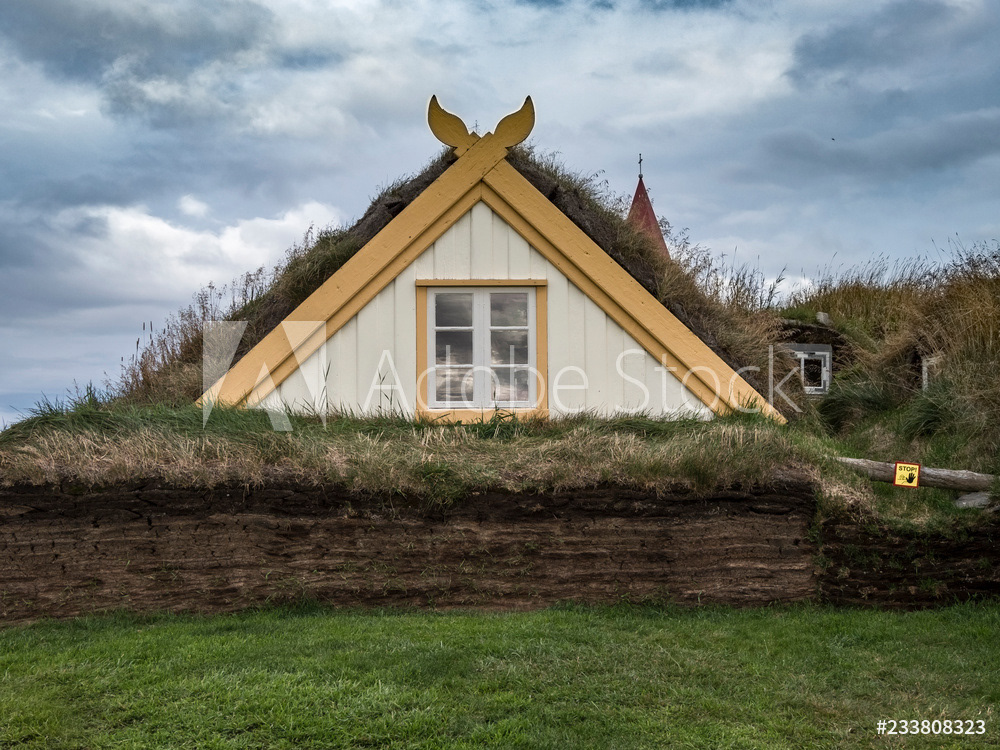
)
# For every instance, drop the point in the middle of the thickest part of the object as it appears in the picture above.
(67, 550)
(70, 550)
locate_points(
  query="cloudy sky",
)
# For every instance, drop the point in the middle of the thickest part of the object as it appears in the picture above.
(148, 147)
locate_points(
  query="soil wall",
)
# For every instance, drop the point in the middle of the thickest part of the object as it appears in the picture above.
(67, 550)
(874, 566)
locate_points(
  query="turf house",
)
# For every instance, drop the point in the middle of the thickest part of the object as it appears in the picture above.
(477, 294)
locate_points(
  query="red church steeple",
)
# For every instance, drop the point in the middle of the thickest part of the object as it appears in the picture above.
(642, 216)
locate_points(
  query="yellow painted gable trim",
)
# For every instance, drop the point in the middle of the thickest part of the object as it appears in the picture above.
(482, 282)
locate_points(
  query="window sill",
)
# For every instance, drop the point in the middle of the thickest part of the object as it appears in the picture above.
(479, 415)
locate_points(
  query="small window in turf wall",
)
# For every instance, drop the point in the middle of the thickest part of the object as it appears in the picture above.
(815, 366)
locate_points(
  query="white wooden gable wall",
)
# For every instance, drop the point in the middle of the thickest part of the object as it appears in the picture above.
(353, 373)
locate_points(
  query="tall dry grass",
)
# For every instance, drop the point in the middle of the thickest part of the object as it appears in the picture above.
(897, 316)
(737, 304)
(387, 457)
(168, 367)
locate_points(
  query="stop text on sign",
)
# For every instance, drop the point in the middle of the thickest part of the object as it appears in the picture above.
(907, 475)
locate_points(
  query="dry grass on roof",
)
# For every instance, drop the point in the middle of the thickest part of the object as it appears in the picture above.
(94, 443)
(729, 309)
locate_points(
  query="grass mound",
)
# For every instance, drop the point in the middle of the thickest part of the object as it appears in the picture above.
(942, 316)
(97, 443)
(105, 443)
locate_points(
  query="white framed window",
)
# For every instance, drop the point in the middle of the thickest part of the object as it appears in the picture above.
(481, 347)
(815, 366)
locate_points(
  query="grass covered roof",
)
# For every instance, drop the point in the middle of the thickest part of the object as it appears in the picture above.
(738, 327)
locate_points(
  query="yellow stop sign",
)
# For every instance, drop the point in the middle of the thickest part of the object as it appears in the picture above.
(907, 475)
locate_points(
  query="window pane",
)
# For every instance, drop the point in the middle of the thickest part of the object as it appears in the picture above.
(510, 384)
(453, 385)
(509, 309)
(812, 373)
(521, 376)
(453, 347)
(509, 347)
(453, 309)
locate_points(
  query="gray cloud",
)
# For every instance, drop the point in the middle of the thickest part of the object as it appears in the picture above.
(48, 192)
(896, 154)
(663, 5)
(655, 5)
(20, 249)
(173, 65)
(308, 58)
(86, 41)
(247, 173)
(902, 32)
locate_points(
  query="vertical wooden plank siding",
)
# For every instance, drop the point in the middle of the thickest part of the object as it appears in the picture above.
(614, 337)
(423, 266)
(406, 312)
(633, 366)
(335, 377)
(539, 266)
(481, 245)
(442, 251)
(501, 257)
(595, 355)
(480, 249)
(348, 370)
(559, 344)
(366, 356)
(573, 331)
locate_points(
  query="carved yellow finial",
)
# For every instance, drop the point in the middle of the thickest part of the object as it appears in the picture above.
(451, 131)
(516, 126)
(448, 128)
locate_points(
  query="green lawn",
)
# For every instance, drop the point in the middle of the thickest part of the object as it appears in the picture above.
(802, 677)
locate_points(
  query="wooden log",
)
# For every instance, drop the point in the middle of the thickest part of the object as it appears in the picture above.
(947, 479)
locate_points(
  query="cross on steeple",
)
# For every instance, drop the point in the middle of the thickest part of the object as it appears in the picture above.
(642, 216)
